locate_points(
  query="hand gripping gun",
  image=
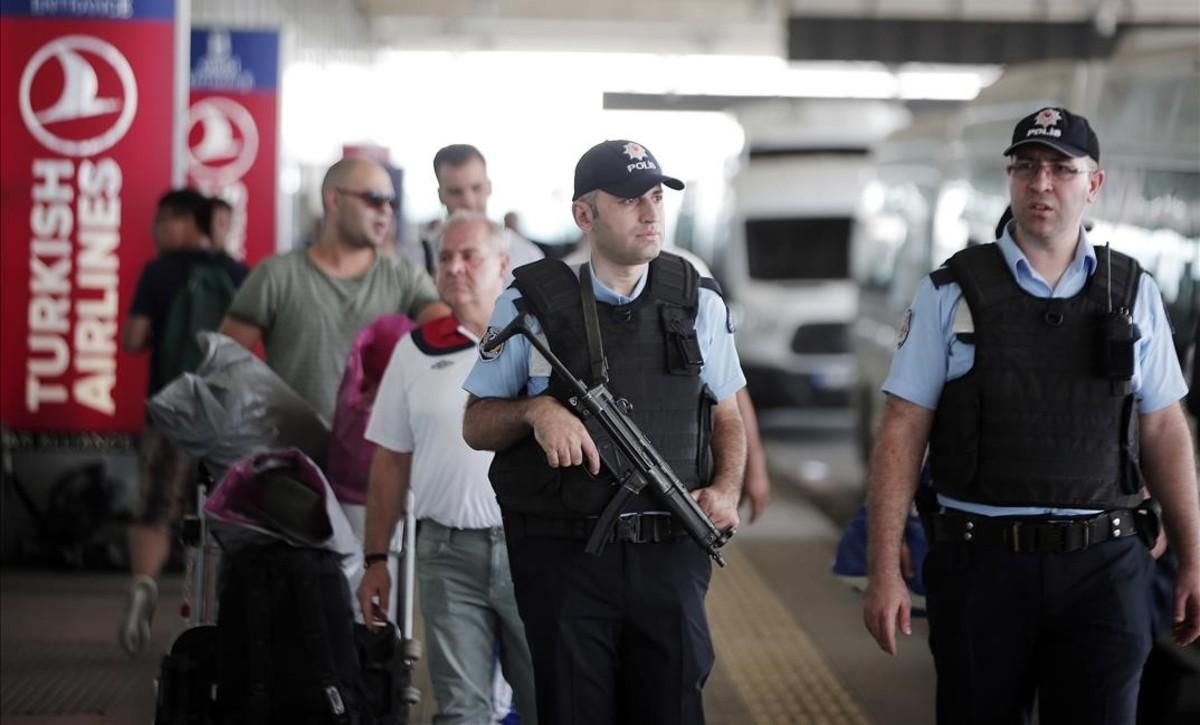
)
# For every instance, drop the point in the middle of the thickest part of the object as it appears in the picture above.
(646, 464)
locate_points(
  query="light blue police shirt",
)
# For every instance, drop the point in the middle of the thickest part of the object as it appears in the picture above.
(931, 355)
(509, 374)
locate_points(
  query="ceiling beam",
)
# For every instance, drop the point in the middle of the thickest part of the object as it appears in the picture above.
(905, 40)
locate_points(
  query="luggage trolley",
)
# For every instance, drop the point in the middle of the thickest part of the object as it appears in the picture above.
(410, 649)
(185, 690)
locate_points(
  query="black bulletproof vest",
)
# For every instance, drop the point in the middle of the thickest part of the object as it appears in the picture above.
(654, 362)
(1034, 423)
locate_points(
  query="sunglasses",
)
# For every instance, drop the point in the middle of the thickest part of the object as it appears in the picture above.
(373, 199)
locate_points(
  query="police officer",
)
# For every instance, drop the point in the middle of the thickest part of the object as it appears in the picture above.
(620, 637)
(1040, 371)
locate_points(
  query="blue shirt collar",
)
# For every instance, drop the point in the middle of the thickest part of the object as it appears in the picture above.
(1073, 279)
(609, 296)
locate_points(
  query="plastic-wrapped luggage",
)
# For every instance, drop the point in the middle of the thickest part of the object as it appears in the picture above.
(233, 406)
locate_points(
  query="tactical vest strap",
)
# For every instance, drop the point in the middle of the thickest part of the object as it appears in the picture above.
(712, 285)
(986, 283)
(1123, 288)
(675, 281)
(983, 276)
(941, 276)
(548, 284)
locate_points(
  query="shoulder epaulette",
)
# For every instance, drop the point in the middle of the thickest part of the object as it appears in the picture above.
(713, 285)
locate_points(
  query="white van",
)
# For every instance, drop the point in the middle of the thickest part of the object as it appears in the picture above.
(787, 265)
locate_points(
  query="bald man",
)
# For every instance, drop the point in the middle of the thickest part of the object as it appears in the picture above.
(307, 305)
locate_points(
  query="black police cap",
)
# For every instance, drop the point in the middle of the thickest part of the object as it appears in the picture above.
(622, 168)
(1059, 129)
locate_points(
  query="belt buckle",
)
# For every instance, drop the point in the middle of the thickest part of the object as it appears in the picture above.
(1067, 541)
(660, 529)
(1013, 534)
(1063, 536)
(629, 528)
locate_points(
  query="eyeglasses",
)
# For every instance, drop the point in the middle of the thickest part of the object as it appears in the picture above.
(373, 199)
(1059, 170)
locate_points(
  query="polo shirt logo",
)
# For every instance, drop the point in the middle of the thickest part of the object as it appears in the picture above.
(441, 364)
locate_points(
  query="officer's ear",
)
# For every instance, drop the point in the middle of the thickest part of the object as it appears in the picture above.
(584, 216)
(504, 262)
(1095, 181)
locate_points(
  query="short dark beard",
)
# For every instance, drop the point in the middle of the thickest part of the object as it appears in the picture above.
(354, 241)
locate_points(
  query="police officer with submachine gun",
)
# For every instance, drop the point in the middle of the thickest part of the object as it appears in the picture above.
(608, 392)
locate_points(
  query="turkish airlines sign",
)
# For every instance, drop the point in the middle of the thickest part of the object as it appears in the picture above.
(85, 135)
(232, 131)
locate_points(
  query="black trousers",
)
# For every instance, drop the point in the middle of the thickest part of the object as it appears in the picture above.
(619, 639)
(1074, 629)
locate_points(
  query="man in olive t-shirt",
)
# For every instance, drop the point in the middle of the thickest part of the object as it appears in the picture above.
(307, 305)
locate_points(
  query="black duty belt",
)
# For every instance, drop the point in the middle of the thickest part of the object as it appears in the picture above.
(643, 528)
(1034, 535)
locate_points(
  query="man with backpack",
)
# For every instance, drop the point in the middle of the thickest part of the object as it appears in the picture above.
(185, 290)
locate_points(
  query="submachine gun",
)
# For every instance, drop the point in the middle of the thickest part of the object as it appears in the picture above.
(646, 464)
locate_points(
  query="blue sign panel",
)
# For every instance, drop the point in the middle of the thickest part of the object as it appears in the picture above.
(234, 60)
(94, 9)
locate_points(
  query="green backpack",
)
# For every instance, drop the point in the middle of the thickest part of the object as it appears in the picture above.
(198, 307)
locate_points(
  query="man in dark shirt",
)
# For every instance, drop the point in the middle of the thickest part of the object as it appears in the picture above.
(181, 234)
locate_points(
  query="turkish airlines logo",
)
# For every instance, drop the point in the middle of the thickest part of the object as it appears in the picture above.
(78, 95)
(222, 140)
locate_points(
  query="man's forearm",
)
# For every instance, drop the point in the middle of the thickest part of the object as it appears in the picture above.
(386, 492)
(894, 468)
(756, 457)
(1168, 463)
(494, 424)
(728, 446)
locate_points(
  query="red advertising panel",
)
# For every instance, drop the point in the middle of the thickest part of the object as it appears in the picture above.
(85, 151)
(232, 131)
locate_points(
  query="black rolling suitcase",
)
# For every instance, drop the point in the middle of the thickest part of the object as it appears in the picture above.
(288, 652)
(282, 646)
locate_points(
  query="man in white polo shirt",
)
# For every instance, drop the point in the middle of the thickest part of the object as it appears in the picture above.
(466, 592)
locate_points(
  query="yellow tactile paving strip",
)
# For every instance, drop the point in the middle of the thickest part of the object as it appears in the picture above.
(775, 667)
